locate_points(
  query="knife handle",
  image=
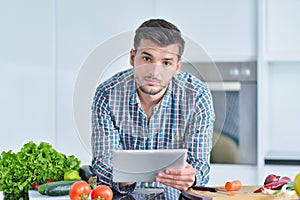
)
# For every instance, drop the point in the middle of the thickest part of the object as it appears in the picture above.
(203, 188)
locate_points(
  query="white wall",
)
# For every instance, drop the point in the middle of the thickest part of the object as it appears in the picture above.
(44, 44)
(27, 73)
(80, 30)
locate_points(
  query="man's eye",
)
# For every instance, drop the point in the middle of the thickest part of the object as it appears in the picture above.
(166, 63)
(146, 59)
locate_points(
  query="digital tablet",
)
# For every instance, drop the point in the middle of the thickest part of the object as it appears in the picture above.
(143, 165)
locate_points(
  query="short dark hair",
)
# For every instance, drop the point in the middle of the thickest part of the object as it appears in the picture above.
(161, 32)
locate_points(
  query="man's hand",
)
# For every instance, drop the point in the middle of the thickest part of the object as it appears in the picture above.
(180, 179)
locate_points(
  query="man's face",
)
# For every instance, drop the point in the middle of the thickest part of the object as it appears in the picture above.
(154, 66)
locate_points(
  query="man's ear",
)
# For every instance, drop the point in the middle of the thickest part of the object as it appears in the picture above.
(132, 55)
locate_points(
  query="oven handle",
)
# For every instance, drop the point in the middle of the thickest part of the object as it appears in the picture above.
(224, 86)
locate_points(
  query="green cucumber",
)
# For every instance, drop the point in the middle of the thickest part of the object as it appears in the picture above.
(42, 188)
(60, 189)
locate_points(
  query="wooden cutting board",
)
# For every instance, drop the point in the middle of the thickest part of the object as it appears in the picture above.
(245, 193)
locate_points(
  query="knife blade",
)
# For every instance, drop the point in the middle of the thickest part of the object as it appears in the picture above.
(209, 189)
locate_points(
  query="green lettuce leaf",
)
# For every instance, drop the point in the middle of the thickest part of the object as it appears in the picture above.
(33, 164)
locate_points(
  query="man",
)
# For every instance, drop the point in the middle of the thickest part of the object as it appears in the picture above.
(154, 106)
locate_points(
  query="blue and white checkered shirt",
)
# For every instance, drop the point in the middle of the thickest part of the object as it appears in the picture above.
(183, 119)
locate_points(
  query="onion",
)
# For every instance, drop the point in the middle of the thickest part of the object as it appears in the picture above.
(271, 178)
(285, 178)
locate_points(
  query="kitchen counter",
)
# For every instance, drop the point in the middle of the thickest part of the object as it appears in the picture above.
(245, 193)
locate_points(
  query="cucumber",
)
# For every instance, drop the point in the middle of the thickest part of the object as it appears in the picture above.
(42, 188)
(59, 190)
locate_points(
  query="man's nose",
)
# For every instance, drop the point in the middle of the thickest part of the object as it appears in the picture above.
(156, 68)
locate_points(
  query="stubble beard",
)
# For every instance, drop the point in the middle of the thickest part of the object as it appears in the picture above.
(150, 91)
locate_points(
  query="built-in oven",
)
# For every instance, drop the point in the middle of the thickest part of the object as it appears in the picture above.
(234, 91)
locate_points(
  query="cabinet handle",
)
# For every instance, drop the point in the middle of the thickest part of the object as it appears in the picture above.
(224, 86)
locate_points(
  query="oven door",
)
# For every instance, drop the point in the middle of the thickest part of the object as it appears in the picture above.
(234, 91)
(234, 138)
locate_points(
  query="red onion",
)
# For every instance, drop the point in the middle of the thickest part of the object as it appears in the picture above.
(271, 178)
(275, 185)
(285, 178)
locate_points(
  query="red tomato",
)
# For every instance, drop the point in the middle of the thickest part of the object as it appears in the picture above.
(102, 192)
(80, 190)
(35, 186)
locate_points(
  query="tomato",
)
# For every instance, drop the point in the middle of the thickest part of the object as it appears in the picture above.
(35, 186)
(102, 192)
(80, 190)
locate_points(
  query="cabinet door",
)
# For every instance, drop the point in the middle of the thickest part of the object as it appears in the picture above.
(225, 29)
(284, 108)
(279, 78)
(27, 71)
(283, 30)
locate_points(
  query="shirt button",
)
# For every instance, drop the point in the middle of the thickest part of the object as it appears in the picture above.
(144, 117)
(145, 138)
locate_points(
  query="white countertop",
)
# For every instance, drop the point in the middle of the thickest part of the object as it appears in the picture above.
(35, 195)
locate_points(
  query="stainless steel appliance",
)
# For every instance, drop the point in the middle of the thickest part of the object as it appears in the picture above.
(234, 91)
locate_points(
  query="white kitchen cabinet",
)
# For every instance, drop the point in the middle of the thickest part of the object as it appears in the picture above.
(279, 80)
(226, 30)
(282, 30)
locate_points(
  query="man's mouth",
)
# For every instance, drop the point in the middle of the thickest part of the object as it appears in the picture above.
(152, 81)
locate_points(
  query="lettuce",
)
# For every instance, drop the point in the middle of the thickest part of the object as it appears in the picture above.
(32, 164)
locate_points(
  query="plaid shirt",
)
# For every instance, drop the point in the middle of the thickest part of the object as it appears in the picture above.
(183, 119)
